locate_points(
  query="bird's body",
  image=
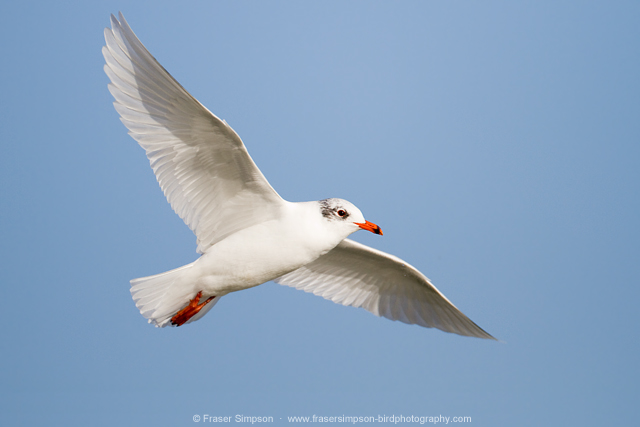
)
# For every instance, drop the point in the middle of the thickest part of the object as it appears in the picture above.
(265, 251)
(246, 233)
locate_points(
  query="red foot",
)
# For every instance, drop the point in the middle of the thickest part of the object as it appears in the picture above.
(190, 310)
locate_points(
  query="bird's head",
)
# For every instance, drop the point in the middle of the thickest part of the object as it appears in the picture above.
(345, 215)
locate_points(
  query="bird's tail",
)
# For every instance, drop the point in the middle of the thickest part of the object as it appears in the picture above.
(165, 301)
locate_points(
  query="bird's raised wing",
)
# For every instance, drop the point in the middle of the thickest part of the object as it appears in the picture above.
(202, 166)
(357, 275)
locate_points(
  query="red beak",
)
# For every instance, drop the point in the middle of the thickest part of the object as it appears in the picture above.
(369, 226)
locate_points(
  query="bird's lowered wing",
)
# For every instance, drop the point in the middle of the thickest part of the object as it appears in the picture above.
(202, 166)
(356, 275)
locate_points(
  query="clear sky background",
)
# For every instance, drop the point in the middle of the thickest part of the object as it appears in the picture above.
(497, 144)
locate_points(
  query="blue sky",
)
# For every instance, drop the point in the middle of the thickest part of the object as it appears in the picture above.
(495, 143)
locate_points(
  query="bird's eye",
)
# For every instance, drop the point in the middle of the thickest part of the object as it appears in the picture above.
(341, 212)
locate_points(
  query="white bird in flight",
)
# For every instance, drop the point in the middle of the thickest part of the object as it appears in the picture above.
(246, 233)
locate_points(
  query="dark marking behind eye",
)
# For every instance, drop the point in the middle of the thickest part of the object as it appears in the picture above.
(326, 211)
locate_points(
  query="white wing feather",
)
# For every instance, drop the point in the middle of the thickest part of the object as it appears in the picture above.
(202, 166)
(356, 275)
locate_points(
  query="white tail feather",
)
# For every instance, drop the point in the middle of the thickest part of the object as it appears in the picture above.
(161, 296)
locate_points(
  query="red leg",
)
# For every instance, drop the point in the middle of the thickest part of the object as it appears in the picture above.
(190, 310)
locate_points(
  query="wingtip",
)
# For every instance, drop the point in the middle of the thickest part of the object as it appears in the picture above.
(119, 21)
(481, 333)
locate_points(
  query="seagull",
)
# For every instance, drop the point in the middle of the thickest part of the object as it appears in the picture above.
(246, 233)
